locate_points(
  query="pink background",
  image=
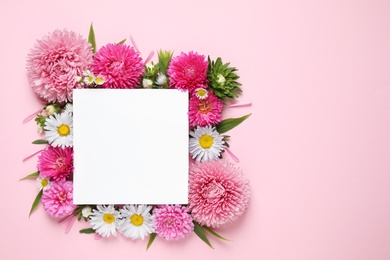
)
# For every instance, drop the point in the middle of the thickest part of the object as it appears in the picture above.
(316, 148)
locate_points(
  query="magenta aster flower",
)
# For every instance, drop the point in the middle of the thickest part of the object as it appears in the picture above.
(172, 222)
(54, 64)
(188, 71)
(58, 199)
(205, 112)
(218, 193)
(120, 65)
(56, 163)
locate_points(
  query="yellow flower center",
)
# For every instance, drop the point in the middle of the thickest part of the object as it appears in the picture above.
(137, 220)
(44, 182)
(204, 106)
(63, 130)
(206, 141)
(108, 218)
(99, 80)
(90, 79)
(201, 92)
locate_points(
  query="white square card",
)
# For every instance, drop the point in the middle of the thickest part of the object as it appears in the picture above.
(130, 146)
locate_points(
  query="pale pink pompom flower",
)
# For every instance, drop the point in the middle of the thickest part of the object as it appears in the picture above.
(205, 112)
(56, 163)
(218, 193)
(172, 222)
(54, 64)
(188, 71)
(58, 199)
(120, 65)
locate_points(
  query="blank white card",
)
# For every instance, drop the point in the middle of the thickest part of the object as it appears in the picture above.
(130, 146)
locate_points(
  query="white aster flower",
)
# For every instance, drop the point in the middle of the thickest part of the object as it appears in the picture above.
(147, 83)
(43, 183)
(205, 143)
(59, 130)
(201, 93)
(105, 220)
(161, 79)
(68, 108)
(86, 211)
(137, 222)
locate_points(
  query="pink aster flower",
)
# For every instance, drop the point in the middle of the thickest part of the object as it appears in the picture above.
(120, 65)
(172, 222)
(54, 64)
(218, 193)
(56, 163)
(205, 112)
(58, 199)
(188, 71)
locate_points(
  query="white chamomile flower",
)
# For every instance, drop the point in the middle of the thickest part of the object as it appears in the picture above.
(147, 83)
(201, 93)
(86, 211)
(137, 221)
(205, 143)
(43, 183)
(105, 220)
(89, 78)
(99, 80)
(68, 108)
(161, 79)
(59, 130)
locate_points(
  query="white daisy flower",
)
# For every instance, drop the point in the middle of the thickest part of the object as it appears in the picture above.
(105, 220)
(69, 108)
(43, 183)
(59, 130)
(137, 222)
(86, 211)
(89, 78)
(201, 93)
(99, 80)
(205, 144)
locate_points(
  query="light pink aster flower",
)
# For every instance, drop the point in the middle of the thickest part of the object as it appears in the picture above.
(218, 193)
(205, 112)
(56, 163)
(172, 222)
(120, 65)
(58, 199)
(188, 71)
(54, 64)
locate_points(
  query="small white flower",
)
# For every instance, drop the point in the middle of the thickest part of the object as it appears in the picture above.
(105, 220)
(68, 108)
(147, 83)
(50, 110)
(89, 78)
(43, 183)
(161, 79)
(99, 80)
(59, 130)
(137, 222)
(201, 93)
(205, 144)
(86, 211)
(40, 129)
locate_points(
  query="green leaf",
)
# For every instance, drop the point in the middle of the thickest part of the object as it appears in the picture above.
(40, 141)
(230, 123)
(121, 42)
(30, 176)
(36, 202)
(87, 231)
(200, 233)
(151, 239)
(91, 38)
(212, 232)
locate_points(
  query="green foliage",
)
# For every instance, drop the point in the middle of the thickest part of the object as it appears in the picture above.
(87, 231)
(36, 202)
(152, 237)
(201, 234)
(164, 57)
(40, 119)
(33, 175)
(91, 38)
(212, 232)
(223, 80)
(40, 141)
(230, 123)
